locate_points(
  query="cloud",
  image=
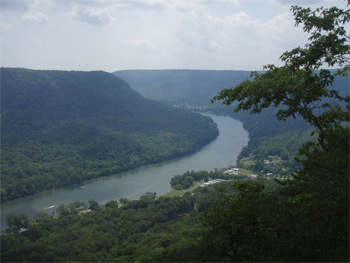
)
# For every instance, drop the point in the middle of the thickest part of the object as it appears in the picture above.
(143, 5)
(276, 29)
(100, 12)
(198, 35)
(16, 5)
(95, 16)
(208, 33)
(38, 18)
(299, 2)
(141, 46)
(186, 6)
(3, 24)
(94, 12)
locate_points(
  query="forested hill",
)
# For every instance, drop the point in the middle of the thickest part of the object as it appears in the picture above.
(64, 127)
(182, 87)
(193, 89)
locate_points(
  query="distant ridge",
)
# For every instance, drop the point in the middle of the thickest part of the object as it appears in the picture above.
(182, 86)
(188, 88)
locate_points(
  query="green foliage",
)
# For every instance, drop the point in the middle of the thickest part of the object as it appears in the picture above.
(311, 221)
(112, 204)
(299, 220)
(185, 181)
(19, 221)
(122, 234)
(71, 208)
(93, 205)
(62, 210)
(41, 216)
(238, 225)
(149, 229)
(61, 128)
(124, 200)
(258, 166)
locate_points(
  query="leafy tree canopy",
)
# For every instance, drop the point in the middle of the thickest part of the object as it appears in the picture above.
(14, 220)
(312, 220)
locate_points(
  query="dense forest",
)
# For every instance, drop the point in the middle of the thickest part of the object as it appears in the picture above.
(304, 218)
(193, 89)
(152, 229)
(60, 128)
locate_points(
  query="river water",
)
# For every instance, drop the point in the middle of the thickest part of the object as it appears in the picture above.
(221, 152)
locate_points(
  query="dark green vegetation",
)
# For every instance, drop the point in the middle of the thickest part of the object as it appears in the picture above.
(311, 221)
(193, 89)
(185, 181)
(60, 128)
(149, 229)
(305, 219)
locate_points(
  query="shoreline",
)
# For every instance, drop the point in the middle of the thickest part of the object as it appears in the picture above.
(165, 192)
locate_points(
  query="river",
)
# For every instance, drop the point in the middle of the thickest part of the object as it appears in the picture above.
(221, 152)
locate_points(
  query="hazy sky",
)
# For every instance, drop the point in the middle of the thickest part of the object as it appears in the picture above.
(149, 34)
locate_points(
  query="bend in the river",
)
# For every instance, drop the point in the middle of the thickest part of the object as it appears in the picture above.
(221, 152)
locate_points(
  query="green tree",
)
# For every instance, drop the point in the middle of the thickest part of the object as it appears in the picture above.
(124, 200)
(312, 221)
(62, 209)
(239, 232)
(112, 204)
(206, 178)
(258, 166)
(16, 220)
(93, 205)
(41, 216)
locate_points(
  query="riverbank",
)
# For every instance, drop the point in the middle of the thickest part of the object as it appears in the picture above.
(221, 152)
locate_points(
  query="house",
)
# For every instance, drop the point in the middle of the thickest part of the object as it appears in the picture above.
(22, 230)
(84, 212)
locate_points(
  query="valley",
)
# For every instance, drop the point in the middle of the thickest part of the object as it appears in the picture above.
(61, 128)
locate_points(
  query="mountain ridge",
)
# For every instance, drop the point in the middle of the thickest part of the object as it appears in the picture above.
(70, 126)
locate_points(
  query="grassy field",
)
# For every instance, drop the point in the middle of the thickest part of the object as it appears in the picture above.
(247, 161)
(243, 171)
(175, 192)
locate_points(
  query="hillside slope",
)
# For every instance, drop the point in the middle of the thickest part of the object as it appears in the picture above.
(182, 88)
(64, 127)
(193, 89)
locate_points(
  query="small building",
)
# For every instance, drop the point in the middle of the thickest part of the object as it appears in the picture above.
(84, 212)
(22, 230)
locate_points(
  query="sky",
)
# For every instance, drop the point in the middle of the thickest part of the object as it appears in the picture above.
(114, 35)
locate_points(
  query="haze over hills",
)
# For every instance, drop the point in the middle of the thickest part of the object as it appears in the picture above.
(181, 87)
(193, 89)
(64, 127)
